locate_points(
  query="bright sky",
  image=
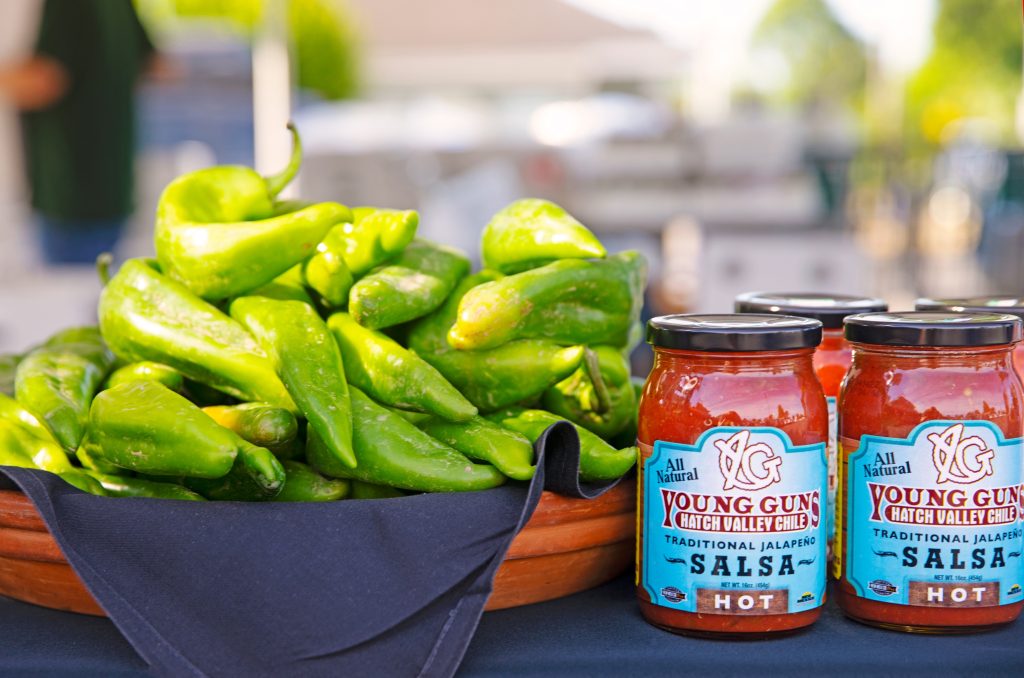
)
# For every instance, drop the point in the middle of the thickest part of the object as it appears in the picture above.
(715, 34)
(902, 30)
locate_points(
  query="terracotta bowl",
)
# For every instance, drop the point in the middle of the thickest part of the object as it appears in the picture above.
(569, 545)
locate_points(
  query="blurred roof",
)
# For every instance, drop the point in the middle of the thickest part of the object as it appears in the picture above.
(404, 25)
(502, 43)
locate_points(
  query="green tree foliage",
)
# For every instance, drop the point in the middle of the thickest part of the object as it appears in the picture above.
(974, 70)
(323, 37)
(822, 60)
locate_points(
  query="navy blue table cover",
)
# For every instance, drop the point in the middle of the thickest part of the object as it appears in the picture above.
(595, 633)
(389, 587)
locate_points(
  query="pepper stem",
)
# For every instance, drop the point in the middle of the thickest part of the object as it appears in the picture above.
(593, 367)
(103, 262)
(277, 182)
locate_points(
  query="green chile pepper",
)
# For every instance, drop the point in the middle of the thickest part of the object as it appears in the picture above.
(624, 438)
(483, 440)
(99, 465)
(393, 452)
(287, 287)
(8, 367)
(11, 451)
(394, 375)
(416, 418)
(83, 481)
(410, 287)
(20, 446)
(262, 425)
(627, 436)
(598, 460)
(121, 486)
(635, 337)
(533, 232)
(326, 272)
(217, 231)
(518, 371)
(376, 235)
(205, 396)
(147, 370)
(58, 380)
(256, 475)
(578, 398)
(570, 301)
(305, 484)
(294, 449)
(144, 426)
(362, 490)
(309, 362)
(13, 412)
(147, 316)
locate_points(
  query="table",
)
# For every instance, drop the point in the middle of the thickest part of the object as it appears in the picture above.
(599, 632)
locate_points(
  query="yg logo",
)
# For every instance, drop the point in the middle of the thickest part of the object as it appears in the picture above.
(958, 459)
(747, 467)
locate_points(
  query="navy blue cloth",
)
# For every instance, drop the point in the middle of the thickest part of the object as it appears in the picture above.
(595, 633)
(375, 587)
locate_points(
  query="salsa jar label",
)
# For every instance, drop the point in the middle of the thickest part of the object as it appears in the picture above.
(934, 520)
(735, 523)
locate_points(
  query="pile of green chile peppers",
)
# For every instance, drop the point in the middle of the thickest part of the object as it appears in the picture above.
(292, 352)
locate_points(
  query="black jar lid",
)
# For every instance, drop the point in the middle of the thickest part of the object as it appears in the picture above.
(828, 308)
(733, 332)
(933, 328)
(999, 303)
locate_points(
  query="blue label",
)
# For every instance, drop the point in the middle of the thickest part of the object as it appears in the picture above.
(934, 519)
(735, 523)
(830, 523)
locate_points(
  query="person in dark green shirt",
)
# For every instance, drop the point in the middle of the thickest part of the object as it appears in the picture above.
(77, 97)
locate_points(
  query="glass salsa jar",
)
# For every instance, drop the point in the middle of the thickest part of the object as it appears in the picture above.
(831, 359)
(733, 476)
(1007, 304)
(930, 426)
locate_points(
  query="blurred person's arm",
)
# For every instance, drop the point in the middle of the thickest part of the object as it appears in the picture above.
(43, 79)
(33, 84)
(163, 69)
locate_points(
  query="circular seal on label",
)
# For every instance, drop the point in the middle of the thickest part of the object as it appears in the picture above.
(882, 587)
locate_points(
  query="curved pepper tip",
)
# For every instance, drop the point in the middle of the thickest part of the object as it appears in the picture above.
(103, 262)
(277, 182)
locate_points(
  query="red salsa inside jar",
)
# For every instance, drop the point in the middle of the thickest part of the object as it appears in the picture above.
(1008, 304)
(732, 481)
(831, 358)
(930, 425)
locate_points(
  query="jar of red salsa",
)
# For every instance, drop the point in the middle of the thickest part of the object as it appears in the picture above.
(831, 359)
(1007, 304)
(930, 426)
(732, 481)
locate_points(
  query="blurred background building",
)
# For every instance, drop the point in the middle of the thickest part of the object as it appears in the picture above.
(831, 145)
